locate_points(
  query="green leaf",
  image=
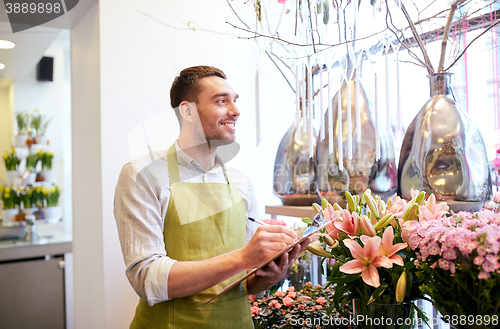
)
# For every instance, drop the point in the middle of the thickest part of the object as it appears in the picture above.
(344, 279)
(307, 221)
(377, 292)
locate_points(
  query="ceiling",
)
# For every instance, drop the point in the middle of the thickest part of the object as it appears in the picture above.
(31, 44)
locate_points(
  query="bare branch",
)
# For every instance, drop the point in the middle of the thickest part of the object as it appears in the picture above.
(419, 41)
(465, 49)
(446, 32)
(327, 46)
(234, 11)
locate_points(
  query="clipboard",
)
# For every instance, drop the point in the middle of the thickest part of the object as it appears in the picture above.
(278, 254)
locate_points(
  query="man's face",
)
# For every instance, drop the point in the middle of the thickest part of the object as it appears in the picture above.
(217, 110)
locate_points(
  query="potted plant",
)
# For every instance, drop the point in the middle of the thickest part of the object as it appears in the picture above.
(52, 211)
(11, 161)
(47, 172)
(22, 119)
(29, 201)
(31, 162)
(39, 124)
(10, 202)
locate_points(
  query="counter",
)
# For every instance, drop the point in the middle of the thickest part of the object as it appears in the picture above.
(32, 275)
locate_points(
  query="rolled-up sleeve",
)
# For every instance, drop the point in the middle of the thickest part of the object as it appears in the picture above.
(139, 209)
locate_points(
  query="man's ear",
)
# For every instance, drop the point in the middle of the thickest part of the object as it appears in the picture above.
(188, 111)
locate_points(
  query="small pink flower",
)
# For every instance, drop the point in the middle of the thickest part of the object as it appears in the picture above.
(496, 163)
(444, 264)
(255, 310)
(274, 303)
(488, 266)
(483, 275)
(300, 307)
(291, 288)
(292, 294)
(287, 301)
(318, 307)
(280, 294)
(496, 195)
(255, 304)
(308, 284)
(252, 298)
(478, 260)
(321, 300)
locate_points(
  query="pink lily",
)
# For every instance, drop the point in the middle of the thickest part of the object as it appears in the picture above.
(389, 249)
(399, 208)
(431, 210)
(332, 217)
(366, 260)
(349, 224)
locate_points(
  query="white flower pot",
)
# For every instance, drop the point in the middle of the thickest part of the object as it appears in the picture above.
(42, 140)
(30, 211)
(11, 177)
(52, 214)
(8, 216)
(49, 176)
(21, 140)
(31, 178)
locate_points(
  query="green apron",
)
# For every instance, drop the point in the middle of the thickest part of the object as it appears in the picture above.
(192, 232)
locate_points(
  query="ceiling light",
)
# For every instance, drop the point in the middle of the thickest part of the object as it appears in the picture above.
(5, 44)
(2, 66)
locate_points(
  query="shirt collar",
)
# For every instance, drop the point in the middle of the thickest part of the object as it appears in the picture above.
(186, 161)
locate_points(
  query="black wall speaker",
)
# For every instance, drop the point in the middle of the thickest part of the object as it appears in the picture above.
(45, 69)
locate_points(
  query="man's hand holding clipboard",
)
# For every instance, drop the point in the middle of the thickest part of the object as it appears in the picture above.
(318, 223)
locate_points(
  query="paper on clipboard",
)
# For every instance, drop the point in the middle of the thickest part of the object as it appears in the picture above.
(249, 274)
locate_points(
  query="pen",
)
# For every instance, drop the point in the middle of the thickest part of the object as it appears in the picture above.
(257, 221)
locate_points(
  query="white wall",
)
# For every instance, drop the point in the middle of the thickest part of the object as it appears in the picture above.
(89, 299)
(137, 57)
(53, 99)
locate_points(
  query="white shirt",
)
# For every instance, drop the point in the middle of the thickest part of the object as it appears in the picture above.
(140, 208)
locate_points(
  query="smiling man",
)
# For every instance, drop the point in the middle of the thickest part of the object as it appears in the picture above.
(182, 219)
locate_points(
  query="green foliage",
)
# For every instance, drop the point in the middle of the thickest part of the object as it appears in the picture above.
(9, 197)
(11, 160)
(31, 161)
(23, 120)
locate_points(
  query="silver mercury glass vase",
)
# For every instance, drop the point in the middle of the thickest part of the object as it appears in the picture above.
(443, 152)
(363, 171)
(294, 171)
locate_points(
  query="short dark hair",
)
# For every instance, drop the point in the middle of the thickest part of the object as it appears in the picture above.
(186, 88)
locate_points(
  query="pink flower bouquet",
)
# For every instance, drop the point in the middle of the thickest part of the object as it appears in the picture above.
(368, 242)
(459, 259)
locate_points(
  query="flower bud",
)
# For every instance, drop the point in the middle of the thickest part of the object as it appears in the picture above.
(366, 226)
(401, 288)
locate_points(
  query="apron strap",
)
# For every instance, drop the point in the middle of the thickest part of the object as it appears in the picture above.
(173, 167)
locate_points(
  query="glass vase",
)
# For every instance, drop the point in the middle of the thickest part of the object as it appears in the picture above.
(382, 316)
(443, 152)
